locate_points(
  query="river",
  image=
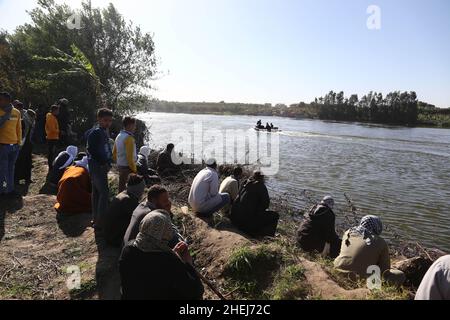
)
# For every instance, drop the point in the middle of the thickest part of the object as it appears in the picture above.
(401, 174)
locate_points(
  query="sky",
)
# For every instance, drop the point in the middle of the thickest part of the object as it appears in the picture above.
(286, 51)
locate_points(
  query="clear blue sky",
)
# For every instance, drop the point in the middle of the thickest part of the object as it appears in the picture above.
(289, 50)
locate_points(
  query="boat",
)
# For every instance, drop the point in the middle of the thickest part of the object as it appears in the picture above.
(267, 130)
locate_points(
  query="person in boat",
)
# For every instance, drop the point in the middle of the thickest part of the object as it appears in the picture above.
(150, 176)
(272, 126)
(268, 127)
(64, 160)
(436, 283)
(151, 270)
(204, 196)
(231, 186)
(158, 198)
(363, 247)
(74, 189)
(121, 209)
(317, 232)
(259, 124)
(250, 210)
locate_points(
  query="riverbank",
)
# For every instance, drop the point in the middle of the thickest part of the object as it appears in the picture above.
(427, 117)
(38, 246)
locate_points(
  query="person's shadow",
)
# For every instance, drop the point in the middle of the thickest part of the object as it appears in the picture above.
(107, 270)
(73, 225)
(8, 206)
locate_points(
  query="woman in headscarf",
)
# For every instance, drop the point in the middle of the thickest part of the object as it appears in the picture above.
(150, 270)
(62, 161)
(250, 210)
(317, 231)
(74, 189)
(362, 248)
(150, 176)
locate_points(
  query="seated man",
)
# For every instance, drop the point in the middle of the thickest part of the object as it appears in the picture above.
(74, 190)
(249, 212)
(151, 270)
(317, 231)
(121, 209)
(204, 197)
(231, 186)
(63, 160)
(157, 199)
(363, 247)
(164, 164)
(436, 283)
(150, 176)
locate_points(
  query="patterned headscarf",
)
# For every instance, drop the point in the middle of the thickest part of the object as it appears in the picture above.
(369, 226)
(155, 232)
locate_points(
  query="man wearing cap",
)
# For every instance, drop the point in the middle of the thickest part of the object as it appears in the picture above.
(317, 231)
(204, 197)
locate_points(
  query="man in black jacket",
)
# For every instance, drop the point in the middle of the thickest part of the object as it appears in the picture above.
(318, 229)
(249, 212)
(121, 209)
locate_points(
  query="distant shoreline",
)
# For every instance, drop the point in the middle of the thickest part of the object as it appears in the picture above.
(220, 113)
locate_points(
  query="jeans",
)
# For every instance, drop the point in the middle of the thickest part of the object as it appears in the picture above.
(100, 190)
(8, 157)
(51, 155)
(226, 199)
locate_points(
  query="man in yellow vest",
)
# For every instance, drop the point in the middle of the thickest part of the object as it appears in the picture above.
(10, 140)
(124, 152)
(52, 134)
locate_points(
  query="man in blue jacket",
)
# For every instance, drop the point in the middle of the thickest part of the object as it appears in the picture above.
(100, 159)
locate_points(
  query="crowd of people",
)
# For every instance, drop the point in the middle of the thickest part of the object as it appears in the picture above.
(155, 262)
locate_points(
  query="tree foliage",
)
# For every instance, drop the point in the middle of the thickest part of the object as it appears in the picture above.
(106, 62)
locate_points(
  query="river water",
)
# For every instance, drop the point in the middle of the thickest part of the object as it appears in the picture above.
(401, 174)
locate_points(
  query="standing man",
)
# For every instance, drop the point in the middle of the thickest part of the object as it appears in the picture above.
(100, 159)
(52, 134)
(124, 153)
(10, 140)
(64, 122)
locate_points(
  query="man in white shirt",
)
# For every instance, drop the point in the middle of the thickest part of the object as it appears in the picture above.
(231, 186)
(436, 283)
(204, 197)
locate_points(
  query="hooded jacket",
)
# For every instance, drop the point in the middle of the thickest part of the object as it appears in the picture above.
(317, 229)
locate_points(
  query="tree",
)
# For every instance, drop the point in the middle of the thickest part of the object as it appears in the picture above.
(109, 61)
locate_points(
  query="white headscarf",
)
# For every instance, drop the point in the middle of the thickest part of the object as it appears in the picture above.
(145, 151)
(72, 151)
(83, 163)
(328, 201)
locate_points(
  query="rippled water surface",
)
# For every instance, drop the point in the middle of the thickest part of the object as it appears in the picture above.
(401, 174)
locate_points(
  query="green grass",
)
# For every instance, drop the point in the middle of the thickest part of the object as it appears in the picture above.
(290, 284)
(250, 270)
(389, 292)
(16, 291)
(87, 290)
